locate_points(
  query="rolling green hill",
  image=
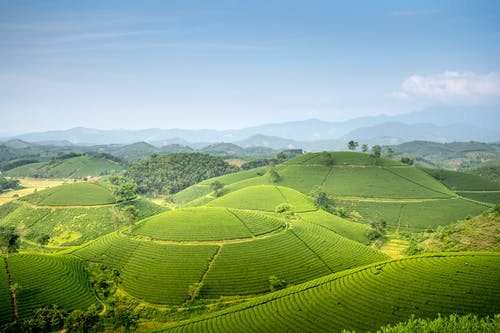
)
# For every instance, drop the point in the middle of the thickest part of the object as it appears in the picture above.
(266, 198)
(368, 297)
(207, 224)
(44, 279)
(76, 194)
(76, 167)
(215, 260)
(70, 214)
(417, 215)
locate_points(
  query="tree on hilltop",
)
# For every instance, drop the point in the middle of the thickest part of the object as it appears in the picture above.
(364, 148)
(352, 145)
(9, 239)
(217, 188)
(274, 176)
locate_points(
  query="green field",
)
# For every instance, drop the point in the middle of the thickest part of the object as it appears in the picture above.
(76, 194)
(296, 256)
(264, 197)
(351, 175)
(75, 167)
(303, 252)
(341, 158)
(456, 180)
(70, 225)
(492, 197)
(6, 310)
(352, 230)
(369, 297)
(49, 279)
(206, 224)
(417, 216)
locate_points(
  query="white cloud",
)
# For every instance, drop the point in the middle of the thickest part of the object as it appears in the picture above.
(452, 87)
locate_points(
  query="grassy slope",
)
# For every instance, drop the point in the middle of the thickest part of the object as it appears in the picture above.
(264, 197)
(480, 233)
(68, 226)
(456, 180)
(76, 194)
(49, 279)
(75, 167)
(301, 253)
(352, 230)
(417, 215)
(206, 224)
(369, 297)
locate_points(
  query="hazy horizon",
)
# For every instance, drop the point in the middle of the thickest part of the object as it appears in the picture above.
(231, 65)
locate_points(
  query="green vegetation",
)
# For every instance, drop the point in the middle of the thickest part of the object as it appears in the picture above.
(264, 197)
(239, 268)
(75, 167)
(70, 225)
(369, 297)
(457, 180)
(76, 194)
(454, 323)
(476, 234)
(46, 279)
(492, 197)
(206, 224)
(171, 268)
(490, 171)
(348, 229)
(418, 215)
(172, 173)
(8, 184)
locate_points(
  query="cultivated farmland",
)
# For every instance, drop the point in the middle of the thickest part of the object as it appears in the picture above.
(44, 279)
(369, 297)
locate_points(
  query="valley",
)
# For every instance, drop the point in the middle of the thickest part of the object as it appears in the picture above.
(330, 228)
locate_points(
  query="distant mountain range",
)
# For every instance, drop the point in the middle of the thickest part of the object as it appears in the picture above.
(441, 124)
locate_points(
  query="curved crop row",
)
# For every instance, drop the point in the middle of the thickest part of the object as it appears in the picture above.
(352, 230)
(155, 272)
(46, 279)
(369, 297)
(295, 256)
(188, 224)
(6, 310)
(76, 194)
(264, 197)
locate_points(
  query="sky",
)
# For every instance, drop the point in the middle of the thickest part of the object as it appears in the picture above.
(233, 64)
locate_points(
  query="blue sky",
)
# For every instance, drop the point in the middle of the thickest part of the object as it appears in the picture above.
(232, 64)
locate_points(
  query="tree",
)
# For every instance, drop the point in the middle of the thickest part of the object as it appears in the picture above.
(217, 188)
(376, 151)
(327, 159)
(283, 208)
(352, 145)
(274, 176)
(364, 148)
(390, 152)
(276, 283)
(130, 213)
(126, 191)
(407, 160)
(321, 199)
(124, 317)
(9, 239)
(43, 240)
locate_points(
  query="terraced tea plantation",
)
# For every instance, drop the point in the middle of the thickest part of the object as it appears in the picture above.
(77, 194)
(42, 280)
(67, 213)
(369, 297)
(217, 257)
(207, 224)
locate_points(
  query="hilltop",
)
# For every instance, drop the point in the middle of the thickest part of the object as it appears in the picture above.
(70, 214)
